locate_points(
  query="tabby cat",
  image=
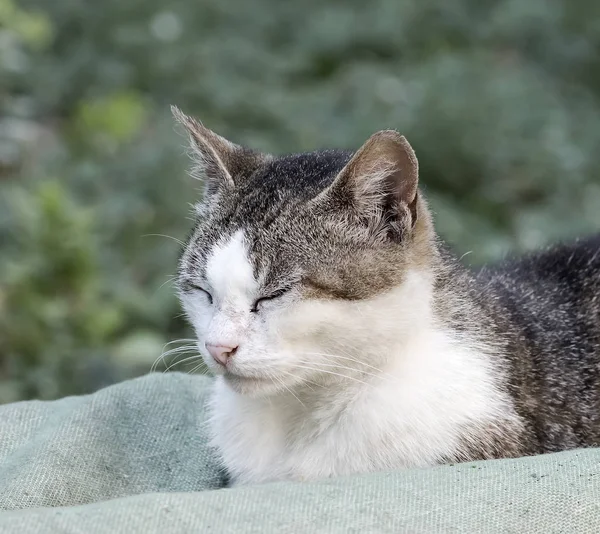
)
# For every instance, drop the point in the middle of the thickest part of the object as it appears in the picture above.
(345, 337)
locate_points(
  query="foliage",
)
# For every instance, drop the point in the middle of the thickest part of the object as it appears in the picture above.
(500, 100)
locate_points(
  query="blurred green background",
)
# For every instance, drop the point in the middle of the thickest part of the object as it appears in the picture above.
(501, 100)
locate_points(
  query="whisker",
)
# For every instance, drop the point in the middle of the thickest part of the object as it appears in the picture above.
(379, 371)
(195, 368)
(304, 381)
(182, 350)
(167, 353)
(349, 356)
(341, 367)
(178, 362)
(287, 388)
(160, 359)
(355, 360)
(169, 280)
(167, 236)
(332, 373)
(465, 254)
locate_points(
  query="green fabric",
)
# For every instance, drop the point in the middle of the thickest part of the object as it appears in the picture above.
(134, 458)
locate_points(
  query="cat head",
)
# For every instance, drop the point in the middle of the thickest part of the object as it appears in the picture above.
(306, 268)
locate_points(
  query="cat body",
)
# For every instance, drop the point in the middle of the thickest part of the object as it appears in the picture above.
(347, 339)
(546, 306)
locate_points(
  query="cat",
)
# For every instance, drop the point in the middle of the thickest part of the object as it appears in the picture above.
(346, 338)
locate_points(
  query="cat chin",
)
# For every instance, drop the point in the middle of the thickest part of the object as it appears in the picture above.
(253, 387)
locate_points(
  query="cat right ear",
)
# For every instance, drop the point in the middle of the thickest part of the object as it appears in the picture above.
(219, 163)
(380, 185)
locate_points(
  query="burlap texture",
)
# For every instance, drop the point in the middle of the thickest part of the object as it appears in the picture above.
(134, 458)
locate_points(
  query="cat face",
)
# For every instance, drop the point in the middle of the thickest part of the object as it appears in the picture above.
(294, 262)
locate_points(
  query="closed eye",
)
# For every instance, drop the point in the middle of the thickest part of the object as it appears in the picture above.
(194, 287)
(273, 296)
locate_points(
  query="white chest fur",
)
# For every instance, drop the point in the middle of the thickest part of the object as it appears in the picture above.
(413, 415)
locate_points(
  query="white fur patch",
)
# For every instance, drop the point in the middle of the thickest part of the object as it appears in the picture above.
(229, 272)
(231, 283)
(378, 386)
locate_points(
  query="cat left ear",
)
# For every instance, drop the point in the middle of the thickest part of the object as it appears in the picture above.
(380, 184)
(218, 162)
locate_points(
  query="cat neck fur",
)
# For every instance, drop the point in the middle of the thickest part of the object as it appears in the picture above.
(407, 396)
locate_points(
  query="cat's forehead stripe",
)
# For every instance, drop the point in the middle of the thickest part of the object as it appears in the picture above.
(229, 270)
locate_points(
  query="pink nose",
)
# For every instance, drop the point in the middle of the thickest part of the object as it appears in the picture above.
(220, 353)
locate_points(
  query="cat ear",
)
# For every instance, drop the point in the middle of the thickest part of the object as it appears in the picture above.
(219, 163)
(380, 183)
